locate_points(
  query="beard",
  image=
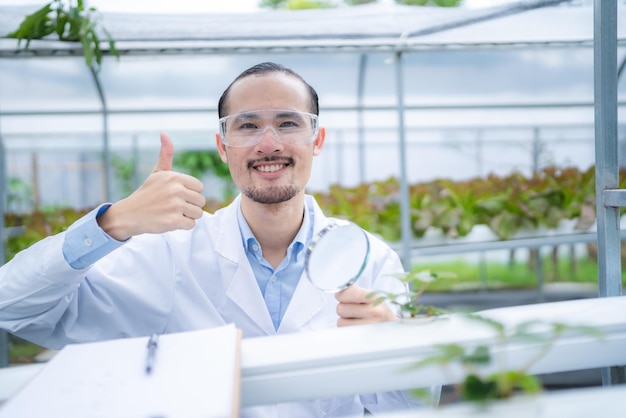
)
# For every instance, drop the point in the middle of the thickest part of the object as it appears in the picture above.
(272, 194)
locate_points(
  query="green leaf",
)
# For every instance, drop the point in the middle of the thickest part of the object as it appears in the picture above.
(445, 354)
(497, 326)
(61, 22)
(111, 42)
(28, 27)
(88, 50)
(475, 389)
(70, 23)
(529, 384)
(479, 356)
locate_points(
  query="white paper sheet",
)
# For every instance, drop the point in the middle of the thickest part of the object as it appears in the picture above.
(195, 374)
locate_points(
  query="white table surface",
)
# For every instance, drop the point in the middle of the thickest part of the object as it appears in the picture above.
(368, 358)
(604, 402)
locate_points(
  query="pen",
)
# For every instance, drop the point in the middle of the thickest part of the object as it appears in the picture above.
(152, 346)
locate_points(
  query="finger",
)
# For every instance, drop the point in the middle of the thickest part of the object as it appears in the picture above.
(186, 223)
(352, 314)
(193, 212)
(166, 155)
(353, 294)
(191, 183)
(351, 310)
(196, 199)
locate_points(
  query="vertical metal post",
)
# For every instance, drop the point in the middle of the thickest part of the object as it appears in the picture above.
(539, 273)
(340, 157)
(405, 210)
(536, 152)
(361, 119)
(108, 176)
(136, 181)
(536, 252)
(4, 336)
(482, 256)
(607, 171)
(478, 144)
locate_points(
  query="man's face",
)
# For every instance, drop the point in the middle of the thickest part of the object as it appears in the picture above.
(270, 171)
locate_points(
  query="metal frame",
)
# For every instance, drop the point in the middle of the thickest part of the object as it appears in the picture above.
(608, 198)
(605, 79)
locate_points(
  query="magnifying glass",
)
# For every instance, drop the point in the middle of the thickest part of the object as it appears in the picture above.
(337, 256)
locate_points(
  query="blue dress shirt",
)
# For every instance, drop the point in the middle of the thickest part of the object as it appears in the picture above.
(277, 285)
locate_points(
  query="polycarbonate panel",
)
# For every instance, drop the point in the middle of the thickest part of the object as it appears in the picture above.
(50, 84)
(187, 82)
(499, 75)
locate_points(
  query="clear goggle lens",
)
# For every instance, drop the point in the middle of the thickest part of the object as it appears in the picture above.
(246, 129)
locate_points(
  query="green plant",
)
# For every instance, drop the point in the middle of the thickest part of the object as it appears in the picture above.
(70, 22)
(19, 195)
(124, 169)
(506, 204)
(440, 3)
(408, 302)
(481, 384)
(39, 224)
(199, 163)
(22, 351)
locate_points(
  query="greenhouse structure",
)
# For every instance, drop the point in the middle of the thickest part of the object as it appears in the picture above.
(411, 93)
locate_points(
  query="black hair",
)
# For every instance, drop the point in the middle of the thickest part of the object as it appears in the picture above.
(266, 68)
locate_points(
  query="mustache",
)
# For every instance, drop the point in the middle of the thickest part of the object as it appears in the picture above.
(269, 159)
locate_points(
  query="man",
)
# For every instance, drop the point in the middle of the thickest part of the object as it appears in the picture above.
(154, 262)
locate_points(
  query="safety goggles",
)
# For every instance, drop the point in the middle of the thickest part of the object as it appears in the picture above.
(246, 129)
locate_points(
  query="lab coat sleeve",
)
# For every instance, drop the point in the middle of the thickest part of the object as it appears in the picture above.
(40, 279)
(85, 242)
(37, 285)
(126, 293)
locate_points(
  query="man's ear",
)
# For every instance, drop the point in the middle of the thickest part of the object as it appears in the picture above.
(318, 144)
(221, 148)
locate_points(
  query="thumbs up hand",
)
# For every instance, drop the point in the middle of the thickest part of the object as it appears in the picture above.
(166, 201)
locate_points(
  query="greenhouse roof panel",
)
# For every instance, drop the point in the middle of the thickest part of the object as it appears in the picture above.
(367, 27)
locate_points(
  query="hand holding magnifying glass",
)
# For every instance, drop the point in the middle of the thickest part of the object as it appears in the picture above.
(337, 256)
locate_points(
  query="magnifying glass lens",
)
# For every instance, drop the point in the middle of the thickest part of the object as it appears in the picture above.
(337, 256)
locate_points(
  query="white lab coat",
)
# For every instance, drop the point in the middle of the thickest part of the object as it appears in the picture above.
(172, 282)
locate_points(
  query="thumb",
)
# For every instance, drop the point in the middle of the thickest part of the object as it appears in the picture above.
(166, 155)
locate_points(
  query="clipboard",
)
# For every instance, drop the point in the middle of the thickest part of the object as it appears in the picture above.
(195, 374)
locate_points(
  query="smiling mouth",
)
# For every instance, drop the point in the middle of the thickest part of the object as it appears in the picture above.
(270, 168)
(275, 164)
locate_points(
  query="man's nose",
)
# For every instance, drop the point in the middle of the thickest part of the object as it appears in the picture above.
(269, 140)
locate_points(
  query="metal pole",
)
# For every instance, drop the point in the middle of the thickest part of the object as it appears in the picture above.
(405, 210)
(340, 160)
(4, 336)
(536, 152)
(537, 148)
(361, 121)
(136, 182)
(108, 176)
(607, 171)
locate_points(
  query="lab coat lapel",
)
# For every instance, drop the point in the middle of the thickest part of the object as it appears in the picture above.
(243, 289)
(245, 293)
(307, 300)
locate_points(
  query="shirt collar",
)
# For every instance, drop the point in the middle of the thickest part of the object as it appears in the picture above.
(303, 236)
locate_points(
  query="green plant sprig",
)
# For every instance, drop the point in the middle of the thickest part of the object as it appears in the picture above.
(408, 302)
(71, 23)
(505, 382)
